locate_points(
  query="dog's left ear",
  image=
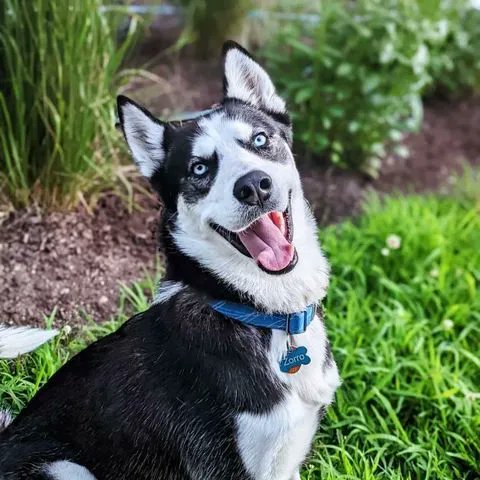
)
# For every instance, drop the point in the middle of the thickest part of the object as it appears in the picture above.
(144, 135)
(246, 80)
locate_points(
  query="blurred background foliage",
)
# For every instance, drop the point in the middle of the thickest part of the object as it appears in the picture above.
(208, 23)
(354, 75)
(404, 321)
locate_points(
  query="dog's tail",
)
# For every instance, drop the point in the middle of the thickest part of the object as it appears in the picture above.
(15, 341)
(5, 420)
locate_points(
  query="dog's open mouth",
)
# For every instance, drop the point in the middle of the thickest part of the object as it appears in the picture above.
(268, 240)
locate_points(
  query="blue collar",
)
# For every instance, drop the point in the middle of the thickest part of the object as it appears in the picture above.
(291, 323)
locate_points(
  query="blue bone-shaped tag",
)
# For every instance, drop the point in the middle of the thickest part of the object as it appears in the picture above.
(294, 359)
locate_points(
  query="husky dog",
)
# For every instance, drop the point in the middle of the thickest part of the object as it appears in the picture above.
(212, 382)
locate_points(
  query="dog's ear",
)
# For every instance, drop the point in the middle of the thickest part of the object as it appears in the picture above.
(245, 79)
(144, 135)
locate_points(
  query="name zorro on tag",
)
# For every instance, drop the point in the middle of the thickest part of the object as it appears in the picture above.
(228, 373)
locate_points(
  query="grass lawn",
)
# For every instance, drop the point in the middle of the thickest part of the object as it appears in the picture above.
(405, 328)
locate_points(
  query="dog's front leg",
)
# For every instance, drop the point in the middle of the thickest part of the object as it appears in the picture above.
(296, 476)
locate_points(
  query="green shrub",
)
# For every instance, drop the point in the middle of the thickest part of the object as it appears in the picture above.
(59, 62)
(355, 77)
(452, 31)
(355, 80)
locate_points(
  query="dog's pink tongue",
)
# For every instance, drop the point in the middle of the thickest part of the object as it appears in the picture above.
(267, 244)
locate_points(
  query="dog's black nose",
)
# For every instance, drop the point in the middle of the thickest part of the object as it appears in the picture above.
(254, 188)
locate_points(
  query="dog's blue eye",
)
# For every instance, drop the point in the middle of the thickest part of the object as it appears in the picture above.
(260, 140)
(199, 169)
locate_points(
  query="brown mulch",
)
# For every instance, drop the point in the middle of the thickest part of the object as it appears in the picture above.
(73, 261)
(76, 261)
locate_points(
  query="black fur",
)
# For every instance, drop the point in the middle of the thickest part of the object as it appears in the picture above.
(138, 403)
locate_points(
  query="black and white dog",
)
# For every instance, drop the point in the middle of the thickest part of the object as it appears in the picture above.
(227, 374)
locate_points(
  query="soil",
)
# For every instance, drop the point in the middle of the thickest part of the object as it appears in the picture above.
(73, 261)
(76, 261)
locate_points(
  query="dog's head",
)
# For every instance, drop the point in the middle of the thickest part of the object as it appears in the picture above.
(232, 193)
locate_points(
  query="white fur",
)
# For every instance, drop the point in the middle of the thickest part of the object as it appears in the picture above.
(248, 81)
(217, 131)
(15, 341)
(167, 290)
(312, 383)
(144, 138)
(5, 419)
(307, 282)
(273, 445)
(65, 470)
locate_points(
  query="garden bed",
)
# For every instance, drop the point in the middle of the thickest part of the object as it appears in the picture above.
(402, 310)
(76, 262)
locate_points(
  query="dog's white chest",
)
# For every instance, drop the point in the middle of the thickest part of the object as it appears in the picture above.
(273, 445)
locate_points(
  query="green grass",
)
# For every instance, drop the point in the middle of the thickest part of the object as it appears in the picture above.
(405, 330)
(21, 378)
(59, 62)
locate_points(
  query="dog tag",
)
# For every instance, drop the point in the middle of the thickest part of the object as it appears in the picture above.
(294, 359)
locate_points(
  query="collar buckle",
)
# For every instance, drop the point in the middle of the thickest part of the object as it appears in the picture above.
(299, 321)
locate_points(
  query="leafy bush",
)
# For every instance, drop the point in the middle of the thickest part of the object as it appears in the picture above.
(452, 32)
(356, 76)
(59, 62)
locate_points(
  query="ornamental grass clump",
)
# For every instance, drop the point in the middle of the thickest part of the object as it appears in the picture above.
(58, 64)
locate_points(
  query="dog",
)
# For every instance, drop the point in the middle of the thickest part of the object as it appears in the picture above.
(228, 373)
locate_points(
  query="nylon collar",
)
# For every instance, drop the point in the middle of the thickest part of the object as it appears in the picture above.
(292, 323)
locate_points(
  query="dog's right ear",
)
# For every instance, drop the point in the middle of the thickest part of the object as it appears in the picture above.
(144, 135)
